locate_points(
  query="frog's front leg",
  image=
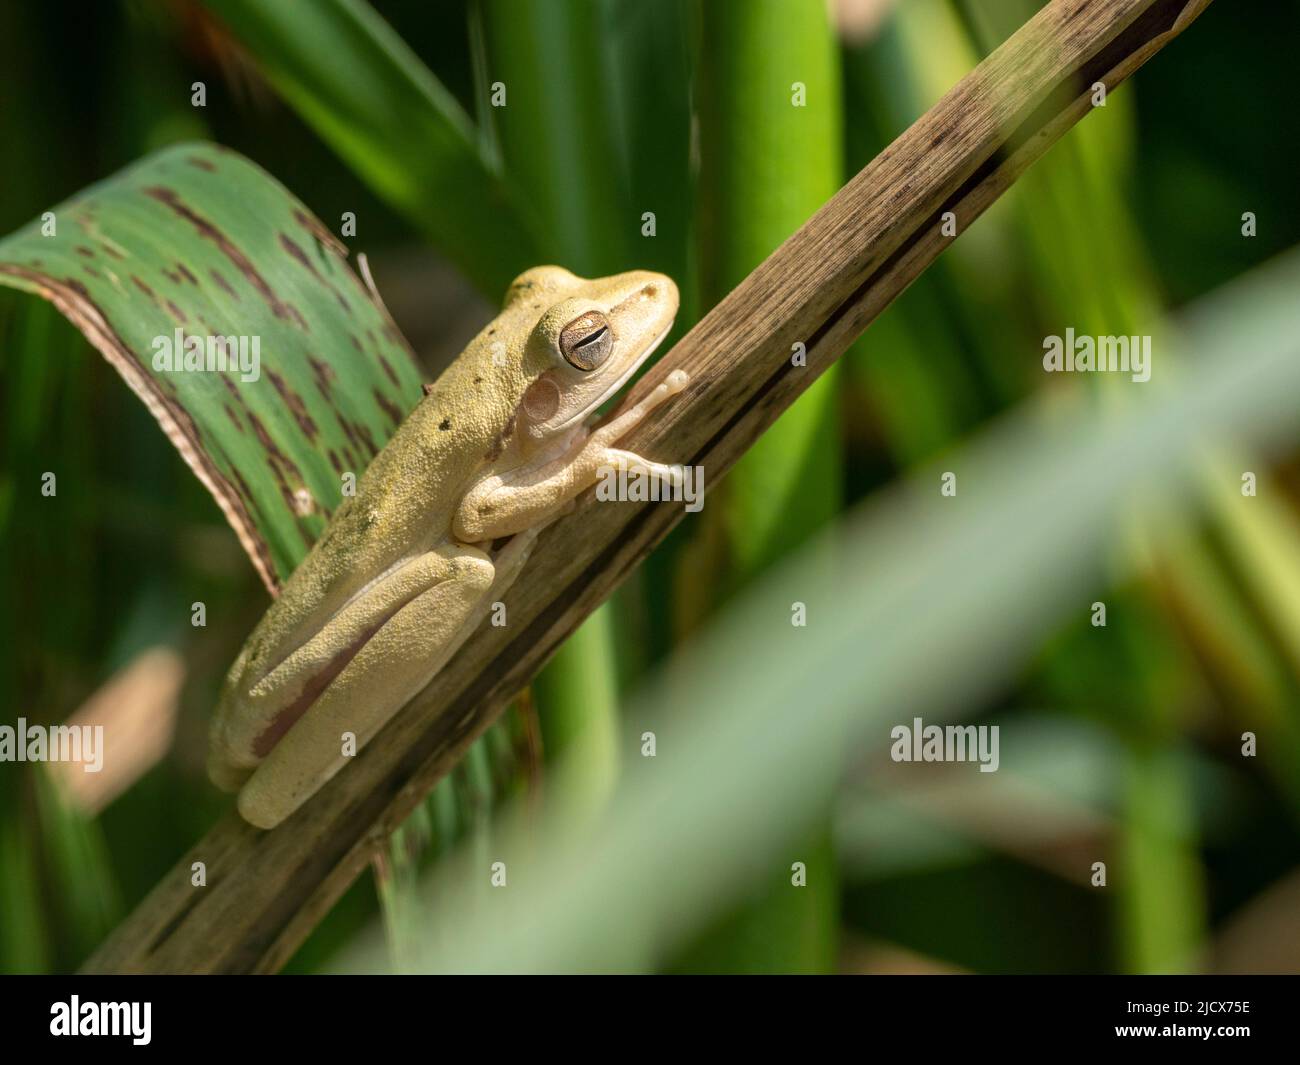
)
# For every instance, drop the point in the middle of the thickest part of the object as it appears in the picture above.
(391, 667)
(502, 504)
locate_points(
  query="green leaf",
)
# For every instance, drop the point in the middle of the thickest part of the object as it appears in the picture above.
(199, 240)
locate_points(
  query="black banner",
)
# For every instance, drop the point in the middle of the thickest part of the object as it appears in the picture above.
(334, 1015)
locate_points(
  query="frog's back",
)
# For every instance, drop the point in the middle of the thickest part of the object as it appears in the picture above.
(404, 501)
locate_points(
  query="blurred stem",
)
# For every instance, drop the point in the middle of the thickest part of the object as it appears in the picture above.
(768, 160)
(1160, 880)
(578, 696)
(23, 946)
(772, 934)
(396, 869)
(651, 82)
(770, 155)
(1107, 286)
(83, 884)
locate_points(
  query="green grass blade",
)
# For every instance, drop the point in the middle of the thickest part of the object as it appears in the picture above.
(79, 869)
(24, 946)
(369, 96)
(650, 80)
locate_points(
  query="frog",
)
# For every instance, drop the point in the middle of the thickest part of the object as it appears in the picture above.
(440, 525)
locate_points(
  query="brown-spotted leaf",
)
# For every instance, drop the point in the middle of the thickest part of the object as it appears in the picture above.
(193, 243)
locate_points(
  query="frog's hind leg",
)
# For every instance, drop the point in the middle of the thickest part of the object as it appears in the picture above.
(392, 665)
(390, 668)
(255, 713)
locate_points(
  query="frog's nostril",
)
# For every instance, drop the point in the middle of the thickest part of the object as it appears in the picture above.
(650, 291)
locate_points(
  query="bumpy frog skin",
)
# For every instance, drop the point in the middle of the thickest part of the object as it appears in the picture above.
(406, 568)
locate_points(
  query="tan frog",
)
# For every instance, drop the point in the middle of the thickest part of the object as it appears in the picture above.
(405, 570)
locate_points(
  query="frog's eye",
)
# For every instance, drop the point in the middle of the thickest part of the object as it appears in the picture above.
(586, 341)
